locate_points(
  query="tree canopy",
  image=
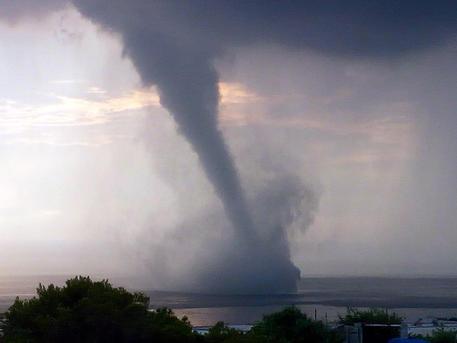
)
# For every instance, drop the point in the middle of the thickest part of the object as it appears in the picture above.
(88, 311)
(94, 311)
(440, 336)
(291, 325)
(371, 316)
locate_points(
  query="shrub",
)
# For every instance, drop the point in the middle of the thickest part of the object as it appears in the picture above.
(371, 316)
(292, 326)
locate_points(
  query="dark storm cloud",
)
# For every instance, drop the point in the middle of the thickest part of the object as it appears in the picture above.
(14, 10)
(360, 28)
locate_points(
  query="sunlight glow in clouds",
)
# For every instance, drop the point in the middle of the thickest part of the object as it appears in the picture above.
(97, 107)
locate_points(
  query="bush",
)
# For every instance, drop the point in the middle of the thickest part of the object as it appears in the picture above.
(440, 336)
(292, 326)
(371, 316)
(220, 333)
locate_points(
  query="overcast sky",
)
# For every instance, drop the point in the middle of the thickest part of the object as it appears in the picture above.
(96, 178)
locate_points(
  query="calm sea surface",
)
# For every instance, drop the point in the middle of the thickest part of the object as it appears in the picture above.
(412, 298)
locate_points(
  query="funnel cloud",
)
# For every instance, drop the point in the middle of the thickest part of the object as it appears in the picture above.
(174, 45)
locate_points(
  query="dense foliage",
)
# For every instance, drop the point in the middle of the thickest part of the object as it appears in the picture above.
(220, 333)
(291, 325)
(440, 336)
(87, 311)
(371, 316)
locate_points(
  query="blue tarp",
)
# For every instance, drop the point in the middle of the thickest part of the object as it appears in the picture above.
(406, 340)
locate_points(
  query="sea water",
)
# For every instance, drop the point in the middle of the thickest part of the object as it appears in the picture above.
(323, 298)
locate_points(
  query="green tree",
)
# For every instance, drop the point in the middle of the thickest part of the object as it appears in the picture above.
(88, 311)
(371, 316)
(292, 326)
(220, 333)
(442, 336)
